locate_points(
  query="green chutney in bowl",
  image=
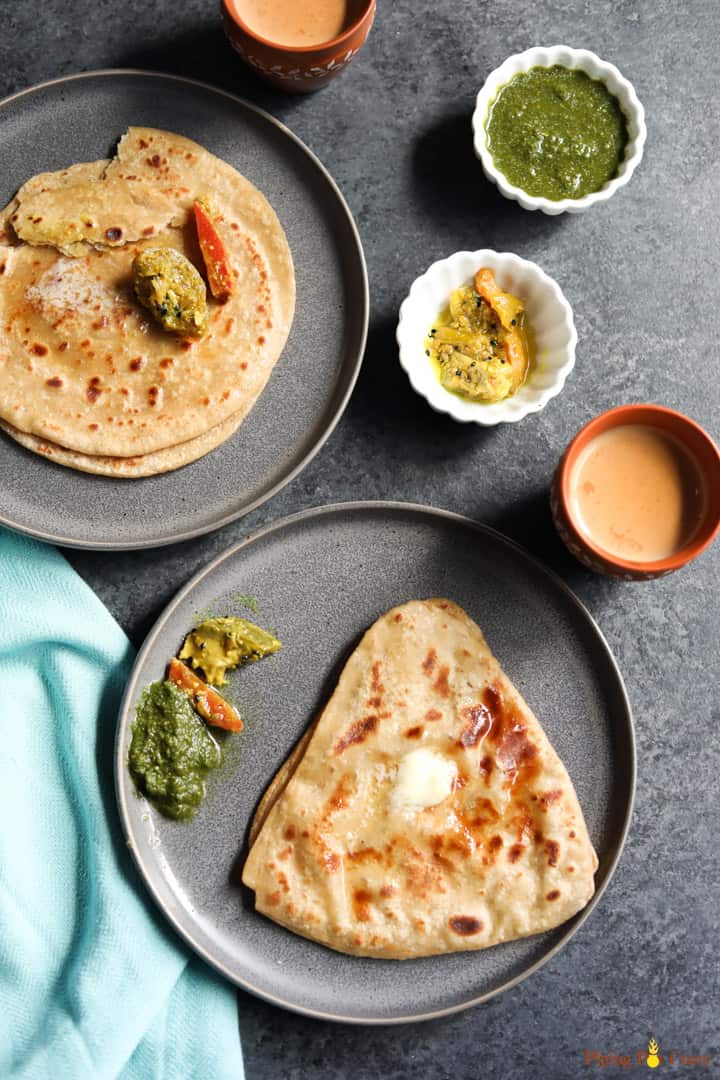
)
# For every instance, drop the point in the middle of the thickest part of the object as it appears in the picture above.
(556, 133)
(558, 129)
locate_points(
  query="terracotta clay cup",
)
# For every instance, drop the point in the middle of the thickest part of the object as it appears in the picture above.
(298, 69)
(703, 452)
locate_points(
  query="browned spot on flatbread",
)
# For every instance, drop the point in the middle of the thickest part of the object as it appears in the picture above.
(166, 362)
(441, 685)
(437, 843)
(274, 898)
(516, 750)
(553, 852)
(331, 861)
(478, 722)
(486, 767)
(363, 856)
(571, 834)
(356, 733)
(149, 230)
(387, 890)
(422, 876)
(361, 904)
(398, 617)
(113, 234)
(553, 894)
(428, 664)
(93, 391)
(93, 427)
(136, 363)
(465, 925)
(523, 823)
(376, 685)
(154, 161)
(550, 797)
(55, 381)
(38, 350)
(414, 732)
(432, 715)
(341, 794)
(495, 843)
(290, 832)
(515, 852)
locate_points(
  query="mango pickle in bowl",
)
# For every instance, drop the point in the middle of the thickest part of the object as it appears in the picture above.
(486, 337)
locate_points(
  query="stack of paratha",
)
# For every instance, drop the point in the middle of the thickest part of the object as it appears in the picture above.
(86, 376)
(425, 811)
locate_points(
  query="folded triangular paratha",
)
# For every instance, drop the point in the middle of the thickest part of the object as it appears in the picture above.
(425, 811)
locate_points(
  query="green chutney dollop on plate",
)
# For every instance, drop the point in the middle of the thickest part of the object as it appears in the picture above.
(171, 751)
(556, 133)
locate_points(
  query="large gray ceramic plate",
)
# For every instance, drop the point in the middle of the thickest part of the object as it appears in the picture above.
(322, 577)
(80, 118)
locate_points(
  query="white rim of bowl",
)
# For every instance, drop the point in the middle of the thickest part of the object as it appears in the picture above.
(574, 59)
(468, 412)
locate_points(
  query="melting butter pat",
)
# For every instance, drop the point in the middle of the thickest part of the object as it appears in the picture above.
(424, 778)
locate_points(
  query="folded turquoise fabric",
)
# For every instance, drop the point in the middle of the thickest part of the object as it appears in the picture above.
(92, 983)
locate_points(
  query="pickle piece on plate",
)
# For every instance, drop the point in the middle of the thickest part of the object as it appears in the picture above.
(172, 290)
(206, 701)
(225, 642)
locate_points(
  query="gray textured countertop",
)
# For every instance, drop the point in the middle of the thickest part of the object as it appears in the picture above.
(641, 275)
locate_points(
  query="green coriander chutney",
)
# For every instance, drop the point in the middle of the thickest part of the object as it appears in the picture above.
(556, 133)
(171, 751)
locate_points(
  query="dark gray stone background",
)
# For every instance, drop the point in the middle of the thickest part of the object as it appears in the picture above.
(640, 273)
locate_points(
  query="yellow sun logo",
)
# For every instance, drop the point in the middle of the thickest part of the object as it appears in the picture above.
(652, 1061)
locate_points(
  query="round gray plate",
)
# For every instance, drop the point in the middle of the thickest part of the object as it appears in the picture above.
(80, 118)
(322, 577)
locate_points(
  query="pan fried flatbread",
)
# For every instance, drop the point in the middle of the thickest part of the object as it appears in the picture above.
(82, 365)
(131, 468)
(426, 812)
(107, 214)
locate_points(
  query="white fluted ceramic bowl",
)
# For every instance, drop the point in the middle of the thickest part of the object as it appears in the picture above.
(548, 312)
(596, 68)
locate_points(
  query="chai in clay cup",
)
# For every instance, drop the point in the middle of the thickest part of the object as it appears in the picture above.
(703, 452)
(297, 69)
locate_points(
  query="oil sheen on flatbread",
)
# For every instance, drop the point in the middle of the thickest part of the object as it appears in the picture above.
(340, 856)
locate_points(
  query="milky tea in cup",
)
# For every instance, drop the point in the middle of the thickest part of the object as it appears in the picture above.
(636, 493)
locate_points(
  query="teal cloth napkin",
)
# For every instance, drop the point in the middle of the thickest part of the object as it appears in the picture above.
(92, 983)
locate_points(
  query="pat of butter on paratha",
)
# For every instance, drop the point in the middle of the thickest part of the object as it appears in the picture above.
(425, 811)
